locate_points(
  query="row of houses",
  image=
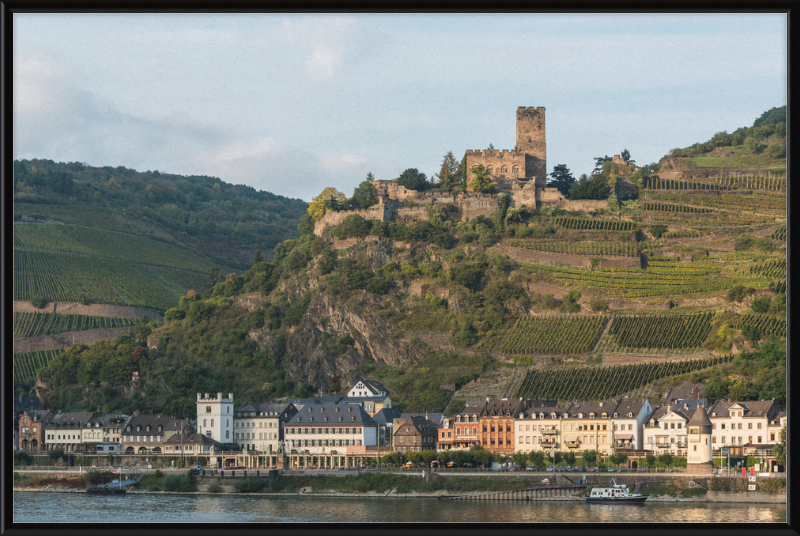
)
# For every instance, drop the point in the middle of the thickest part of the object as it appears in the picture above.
(366, 421)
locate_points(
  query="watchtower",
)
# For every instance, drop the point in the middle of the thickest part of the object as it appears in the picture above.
(215, 417)
(699, 444)
(531, 141)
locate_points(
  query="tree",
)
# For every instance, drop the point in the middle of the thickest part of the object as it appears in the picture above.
(649, 461)
(214, 276)
(599, 162)
(491, 147)
(618, 458)
(570, 457)
(520, 458)
(365, 195)
(589, 457)
(142, 328)
(306, 225)
(480, 455)
(483, 181)
(258, 257)
(594, 187)
(370, 176)
(412, 179)
(626, 155)
(318, 206)
(570, 302)
(537, 459)
(448, 173)
(561, 178)
(780, 449)
(665, 459)
(55, 454)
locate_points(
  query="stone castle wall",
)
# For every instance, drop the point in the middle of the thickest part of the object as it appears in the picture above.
(531, 140)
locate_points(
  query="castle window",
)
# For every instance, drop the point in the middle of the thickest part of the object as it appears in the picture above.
(490, 169)
(515, 169)
(208, 409)
(504, 169)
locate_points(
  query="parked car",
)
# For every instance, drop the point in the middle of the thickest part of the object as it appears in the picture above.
(530, 468)
(623, 470)
(580, 469)
(409, 464)
(612, 469)
(468, 464)
(593, 469)
(450, 464)
(561, 469)
(643, 469)
(551, 468)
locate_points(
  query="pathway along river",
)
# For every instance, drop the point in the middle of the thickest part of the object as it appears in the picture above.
(33, 507)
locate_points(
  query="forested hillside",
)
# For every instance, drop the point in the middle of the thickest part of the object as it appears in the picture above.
(686, 280)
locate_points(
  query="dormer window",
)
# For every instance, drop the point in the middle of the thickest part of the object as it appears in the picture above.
(605, 414)
(311, 419)
(309, 410)
(630, 415)
(591, 415)
(580, 415)
(340, 419)
(616, 414)
(337, 410)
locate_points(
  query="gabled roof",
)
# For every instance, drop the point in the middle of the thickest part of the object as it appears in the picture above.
(547, 410)
(386, 416)
(266, 409)
(24, 402)
(107, 420)
(191, 439)
(512, 407)
(628, 405)
(73, 419)
(414, 425)
(355, 399)
(372, 385)
(154, 421)
(472, 407)
(753, 409)
(435, 418)
(38, 414)
(684, 391)
(329, 399)
(336, 414)
(595, 407)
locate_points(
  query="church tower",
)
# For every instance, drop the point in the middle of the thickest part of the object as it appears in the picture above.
(699, 445)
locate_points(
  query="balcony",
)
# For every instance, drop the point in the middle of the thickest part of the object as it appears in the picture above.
(572, 444)
(663, 445)
(549, 431)
(549, 442)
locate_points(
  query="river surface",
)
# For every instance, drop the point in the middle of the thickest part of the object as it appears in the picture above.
(34, 507)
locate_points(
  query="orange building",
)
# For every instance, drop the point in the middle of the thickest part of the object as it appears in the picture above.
(496, 424)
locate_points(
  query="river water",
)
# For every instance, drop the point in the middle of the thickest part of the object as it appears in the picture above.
(34, 507)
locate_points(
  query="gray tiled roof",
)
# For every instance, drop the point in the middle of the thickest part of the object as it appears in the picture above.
(547, 410)
(587, 408)
(267, 409)
(191, 439)
(435, 418)
(386, 416)
(755, 408)
(336, 414)
(73, 419)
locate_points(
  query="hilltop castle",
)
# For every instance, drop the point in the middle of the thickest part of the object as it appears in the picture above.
(521, 172)
(527, 163)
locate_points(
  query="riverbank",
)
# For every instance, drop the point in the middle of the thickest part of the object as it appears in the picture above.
(709, 497)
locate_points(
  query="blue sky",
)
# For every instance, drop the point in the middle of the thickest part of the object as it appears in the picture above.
(294, 103)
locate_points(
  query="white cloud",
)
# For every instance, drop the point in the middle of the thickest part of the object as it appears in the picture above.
(323, 63)
(258, 147)
(342, 163)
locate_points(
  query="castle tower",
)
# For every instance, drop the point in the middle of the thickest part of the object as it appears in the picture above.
(215, 417)
(698, 430)
(531, 142)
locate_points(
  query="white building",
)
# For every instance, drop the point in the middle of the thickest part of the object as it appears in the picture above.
(215, 417)
(540, 429)
(260, 426)
(740, 426)
(627, 422)
(331, 429)
(699, 446)
(65, 430)
(368, 388)
(665, 430)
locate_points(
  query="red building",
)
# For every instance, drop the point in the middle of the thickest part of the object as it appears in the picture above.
(31, 428)
(496, 424)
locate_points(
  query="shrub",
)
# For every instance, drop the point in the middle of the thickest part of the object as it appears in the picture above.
(761, 305)
(738, 293)
(657, 230)
(598, 305)
(178, 483)
(250, 484)
(361, 485)
(776, 149)
(214, 488)
(38, 302)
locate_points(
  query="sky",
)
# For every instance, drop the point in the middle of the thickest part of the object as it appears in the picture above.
(292, 104)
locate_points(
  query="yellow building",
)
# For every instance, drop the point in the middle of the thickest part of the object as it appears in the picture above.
(587, 427)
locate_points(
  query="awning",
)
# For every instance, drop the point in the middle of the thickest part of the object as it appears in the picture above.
(624, 436)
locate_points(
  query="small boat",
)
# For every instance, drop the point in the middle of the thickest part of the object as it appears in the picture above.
(616, 494)
(112, 488)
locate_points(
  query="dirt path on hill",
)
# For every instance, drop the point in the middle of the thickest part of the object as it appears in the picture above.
(63, 340)
(95, 309)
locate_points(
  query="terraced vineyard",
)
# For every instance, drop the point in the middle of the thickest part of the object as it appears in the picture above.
(595, 248)
(775, 269)
(779, 234)
(668, 207)
(759, 201)
(66, 277)
(661, 331)
(587, 224)
(657, 183)
(602, 383)
(27, 363)
(562, 334)
(29, 325)
(769, 324)
(670, 280)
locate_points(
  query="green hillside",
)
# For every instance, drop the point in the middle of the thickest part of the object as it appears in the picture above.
(684, 281)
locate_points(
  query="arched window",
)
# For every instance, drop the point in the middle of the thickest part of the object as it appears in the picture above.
(490, 169)
(227, 434)
(212, 423)
(515, 169)
(204, 422)
(504, 169)
(229, 409)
